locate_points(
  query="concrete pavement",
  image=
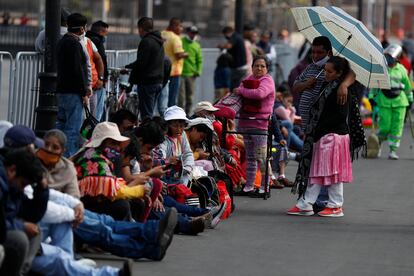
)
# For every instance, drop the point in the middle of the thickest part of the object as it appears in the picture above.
(375, 237)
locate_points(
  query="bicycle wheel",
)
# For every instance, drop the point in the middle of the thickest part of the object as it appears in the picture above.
(132, 104)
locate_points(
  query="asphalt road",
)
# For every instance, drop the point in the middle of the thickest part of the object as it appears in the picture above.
(375, 237)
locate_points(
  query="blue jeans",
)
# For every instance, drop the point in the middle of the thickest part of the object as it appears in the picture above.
(182, 220)
(293, 139)
(97, 103)
(147, 96)
(183, 208)
(122, 238)
(174, 88)
(55, 261)
(61, 235)
(162, 101)
(69, 120)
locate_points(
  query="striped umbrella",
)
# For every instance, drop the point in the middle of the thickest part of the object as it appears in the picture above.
(350, 39)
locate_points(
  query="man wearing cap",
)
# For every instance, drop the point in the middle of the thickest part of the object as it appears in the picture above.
(73, 90)
(21, 136)
(393, 102)
(193, 65)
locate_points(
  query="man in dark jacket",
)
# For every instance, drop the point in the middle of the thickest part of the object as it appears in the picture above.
(73, 89)
(19, 168)
(98, 34)
(148, 69)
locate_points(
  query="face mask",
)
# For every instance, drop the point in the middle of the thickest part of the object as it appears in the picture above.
(111, 153)
(321, 62)
(48, 158)
(82, 36)
(390, 60)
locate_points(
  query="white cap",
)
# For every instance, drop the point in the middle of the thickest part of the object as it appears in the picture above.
(200, 121)
(175, 113)
(106, 130)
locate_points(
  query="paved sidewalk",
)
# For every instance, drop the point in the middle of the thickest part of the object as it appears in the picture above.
(375, 237)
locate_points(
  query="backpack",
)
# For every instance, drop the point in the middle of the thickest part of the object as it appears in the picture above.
(182, 194)
(206, 189)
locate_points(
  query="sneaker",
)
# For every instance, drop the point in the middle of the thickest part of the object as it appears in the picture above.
(331, 212)
(258, 193)
(196, 225)
(275, 184)
(166, 231)
(217, 215)
(299, 212)
(393, 155)
(208, 217)
(87, 262)
(285, 182)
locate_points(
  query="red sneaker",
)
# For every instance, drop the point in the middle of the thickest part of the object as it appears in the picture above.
(299, 212)
(331, 212)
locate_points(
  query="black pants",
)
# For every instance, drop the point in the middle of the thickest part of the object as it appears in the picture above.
(119, 209)
(147, 95)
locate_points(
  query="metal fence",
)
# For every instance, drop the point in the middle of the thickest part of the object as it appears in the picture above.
(24, 94)
(20, 86)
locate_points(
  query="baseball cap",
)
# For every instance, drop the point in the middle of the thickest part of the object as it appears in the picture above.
(20, 136)
(205, 105)
(200, 121)
(192, 29)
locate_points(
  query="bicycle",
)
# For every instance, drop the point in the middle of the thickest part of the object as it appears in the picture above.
(120, 94)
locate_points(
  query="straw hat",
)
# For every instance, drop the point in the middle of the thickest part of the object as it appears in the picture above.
(175, 113)
(106, 130)
(205, 105)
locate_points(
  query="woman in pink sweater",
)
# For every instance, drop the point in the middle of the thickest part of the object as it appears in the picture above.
(258, 93)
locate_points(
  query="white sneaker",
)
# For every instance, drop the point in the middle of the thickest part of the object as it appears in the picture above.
(217, 214)
(87, 262)
(393, 155)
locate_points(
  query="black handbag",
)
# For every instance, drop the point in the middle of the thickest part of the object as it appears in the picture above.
(88, 124)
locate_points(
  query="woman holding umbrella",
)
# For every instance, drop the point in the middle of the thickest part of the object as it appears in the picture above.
(334, 131)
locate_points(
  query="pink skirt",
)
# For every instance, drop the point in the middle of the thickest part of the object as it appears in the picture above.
(331, 160)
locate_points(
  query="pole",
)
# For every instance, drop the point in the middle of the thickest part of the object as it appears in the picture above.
(314, 3)
(385, 17)
(360, 9)
(149, 8)
(47, 109)
(238, 16)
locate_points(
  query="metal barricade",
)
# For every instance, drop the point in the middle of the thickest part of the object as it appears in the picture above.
(125, 57)
(6, 72)
(24, 95)
(111, 58)
(205, 83)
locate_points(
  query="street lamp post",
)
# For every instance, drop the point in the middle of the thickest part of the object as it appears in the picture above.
(46, 110)
(239, 16)
(385, 17)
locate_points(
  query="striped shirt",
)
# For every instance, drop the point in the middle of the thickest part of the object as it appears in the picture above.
(308, 96)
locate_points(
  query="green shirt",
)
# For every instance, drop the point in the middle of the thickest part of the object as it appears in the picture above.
(194, 62)
(398, 78)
